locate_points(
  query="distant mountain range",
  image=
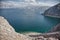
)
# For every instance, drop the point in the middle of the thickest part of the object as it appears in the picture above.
(53, 11)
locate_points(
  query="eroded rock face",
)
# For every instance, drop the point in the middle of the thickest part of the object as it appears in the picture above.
(8, 33)
(56, 28)
(53, 11)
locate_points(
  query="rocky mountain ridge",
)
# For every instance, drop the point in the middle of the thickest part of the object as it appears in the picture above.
(53, 11)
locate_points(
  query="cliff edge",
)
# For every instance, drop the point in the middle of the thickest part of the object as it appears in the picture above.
(8, 33)
(56, 28)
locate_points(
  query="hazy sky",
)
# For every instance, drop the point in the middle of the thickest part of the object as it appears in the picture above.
(35, 0)
(23, 3)
(45, 1)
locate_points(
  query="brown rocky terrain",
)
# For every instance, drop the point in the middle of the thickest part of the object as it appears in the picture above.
(56, 28)
(8, 33)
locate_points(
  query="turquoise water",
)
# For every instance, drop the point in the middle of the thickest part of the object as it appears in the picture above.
(26, 20)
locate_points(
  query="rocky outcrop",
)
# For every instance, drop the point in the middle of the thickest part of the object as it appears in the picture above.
(8, 33)
(55, 28)
(46, 36)
(53, 11)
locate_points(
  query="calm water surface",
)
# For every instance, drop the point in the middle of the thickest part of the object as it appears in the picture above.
(27, 20)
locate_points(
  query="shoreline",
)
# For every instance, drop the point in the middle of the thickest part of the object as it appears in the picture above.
(51, 16)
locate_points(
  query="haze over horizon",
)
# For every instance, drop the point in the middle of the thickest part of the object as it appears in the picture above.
(24, 3)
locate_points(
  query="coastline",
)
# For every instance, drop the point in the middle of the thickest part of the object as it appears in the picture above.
(51, 16)
(13, 35)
